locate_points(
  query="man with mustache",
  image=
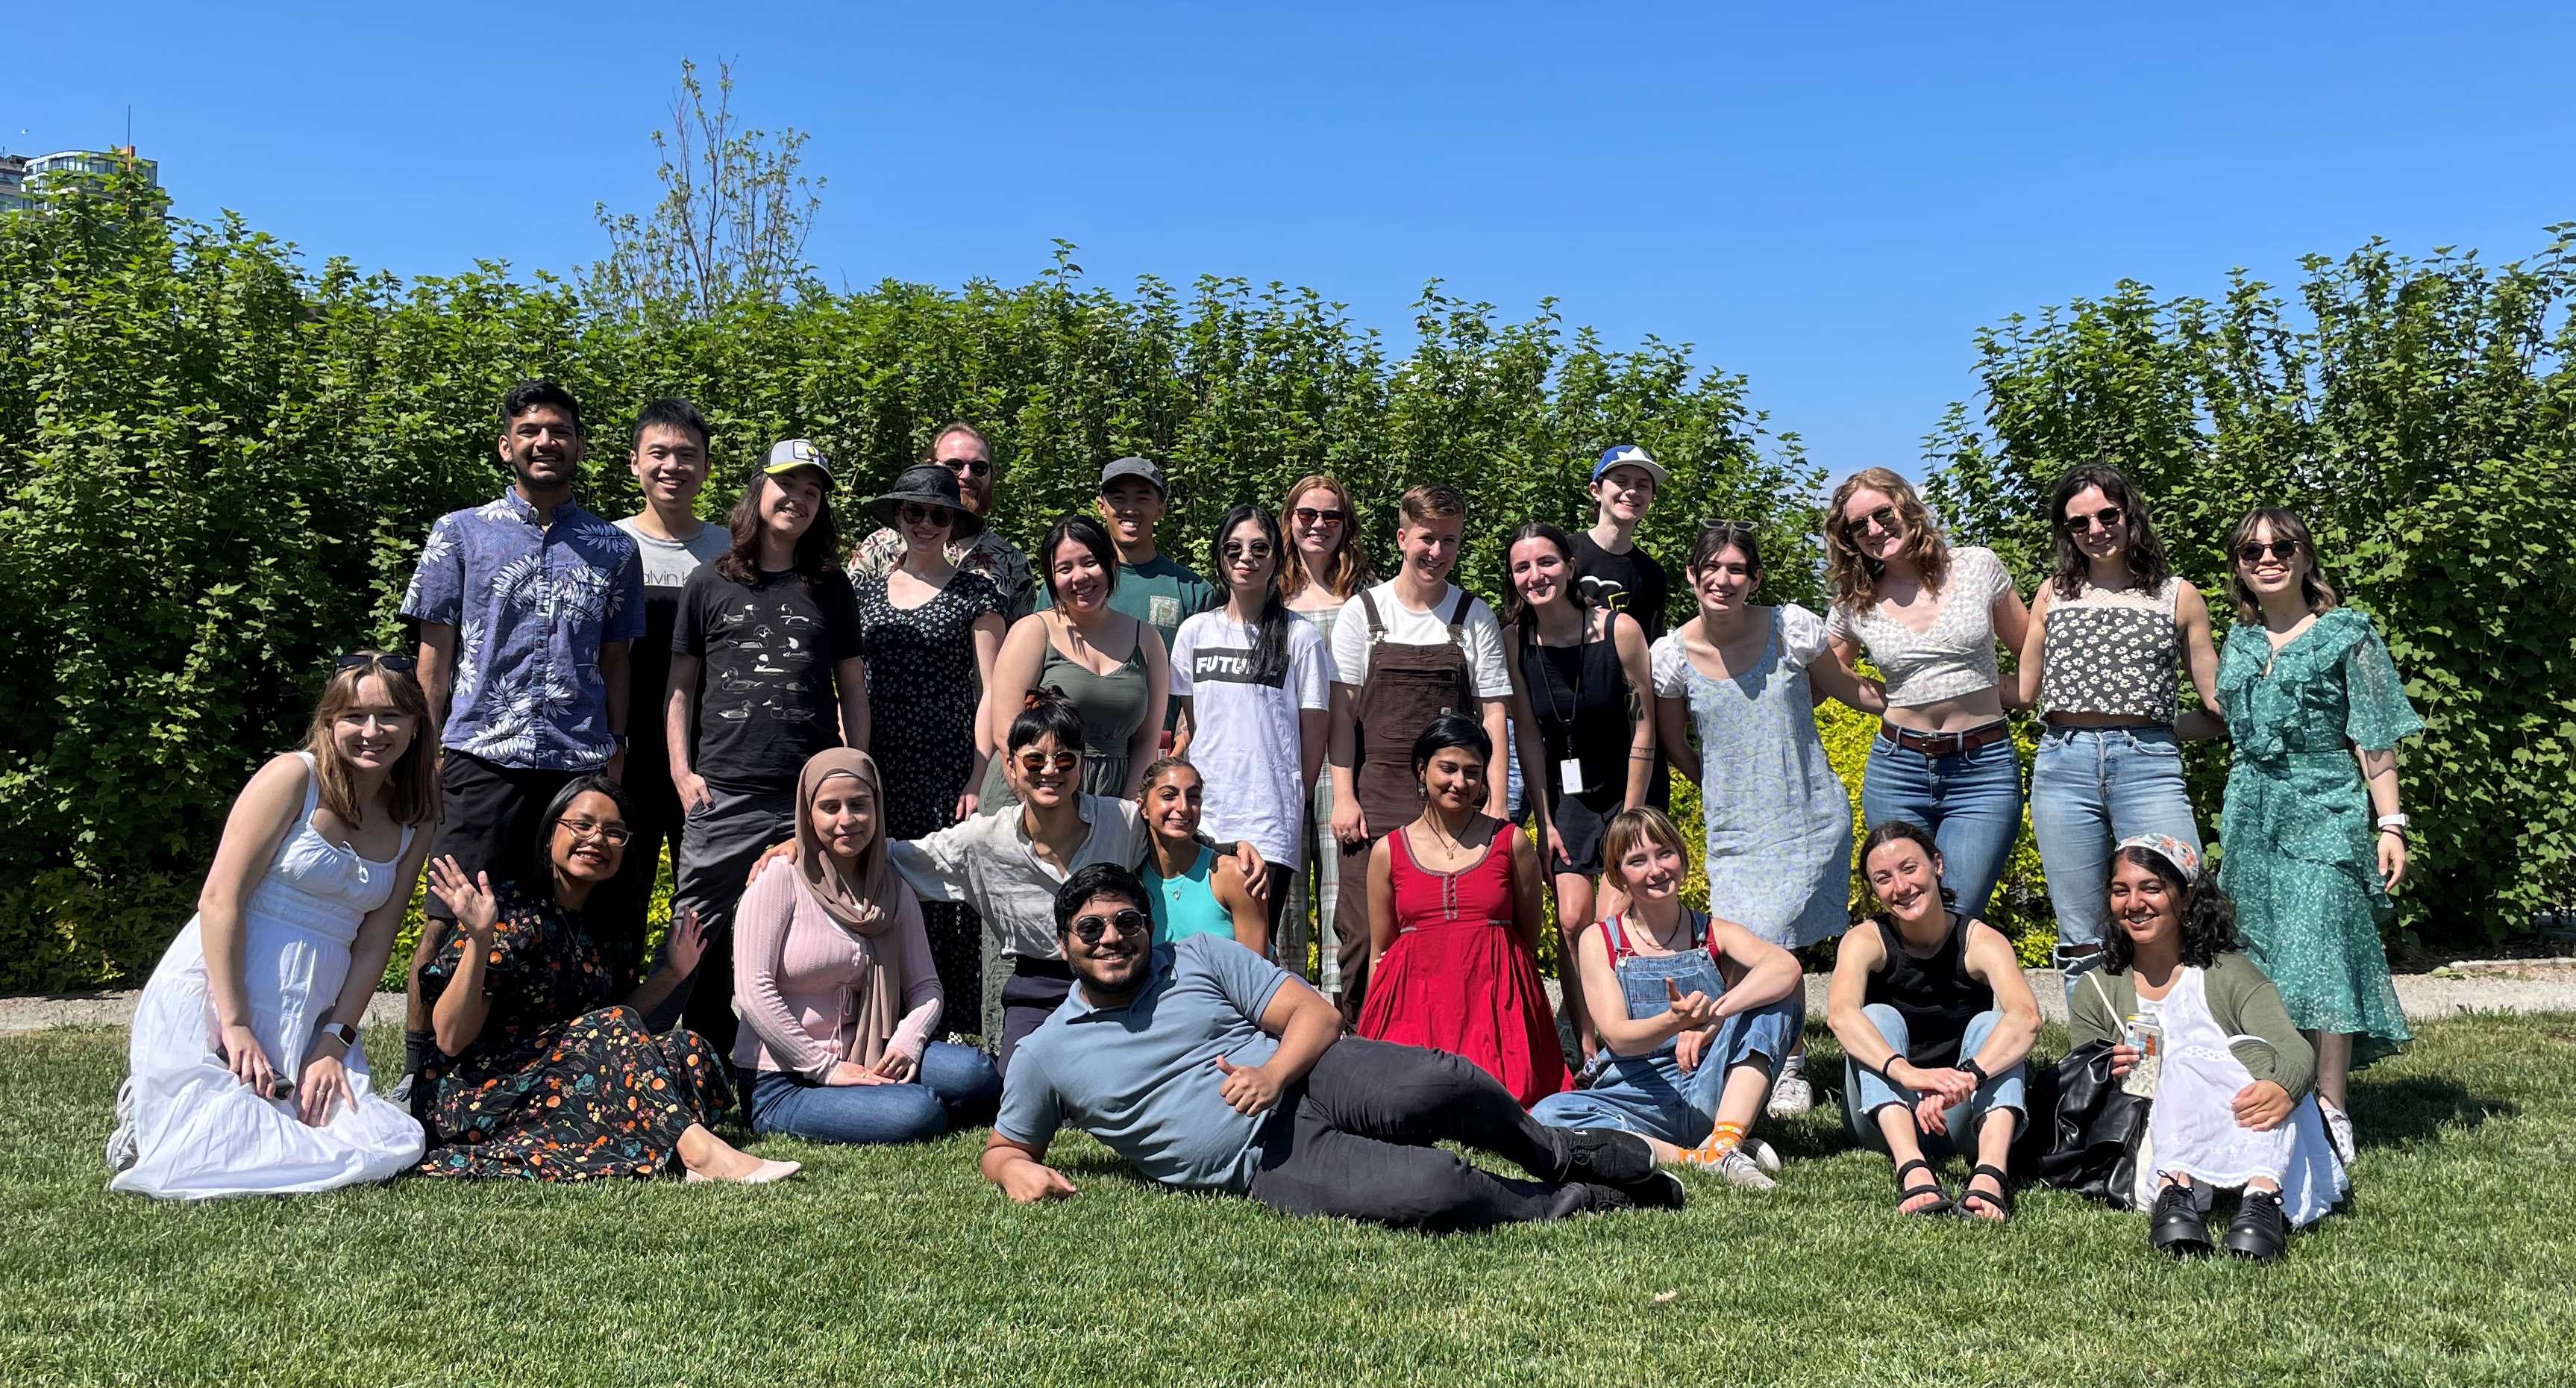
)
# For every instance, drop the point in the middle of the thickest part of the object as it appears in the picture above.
(1209, 1068)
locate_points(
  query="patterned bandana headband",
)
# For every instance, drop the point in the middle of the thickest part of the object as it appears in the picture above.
(2184, 857)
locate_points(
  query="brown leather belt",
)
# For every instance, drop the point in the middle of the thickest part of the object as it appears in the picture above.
(1943, 744)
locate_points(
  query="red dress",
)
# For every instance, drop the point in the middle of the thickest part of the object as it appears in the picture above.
(1459, 979)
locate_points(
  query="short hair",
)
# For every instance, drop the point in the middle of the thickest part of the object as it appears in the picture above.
(1644, 824)
(1430, 501)
(2286, 525)
(529, 395)
(1451, 730)
(1716, 537)
(1046, 710)
(1910, 832)
(1099, 879)
(670, 412)
(930, 450)
(2208, 914)
(1081, 530)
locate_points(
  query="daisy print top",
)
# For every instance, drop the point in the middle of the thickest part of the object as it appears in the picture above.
(2113, 652)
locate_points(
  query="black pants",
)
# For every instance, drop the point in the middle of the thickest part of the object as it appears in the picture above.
(1354, 1138)
(1035, 989)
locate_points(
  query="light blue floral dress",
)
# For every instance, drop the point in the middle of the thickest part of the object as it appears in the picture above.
(1778, 818)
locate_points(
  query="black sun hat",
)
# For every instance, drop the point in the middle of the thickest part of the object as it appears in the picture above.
(928, 484)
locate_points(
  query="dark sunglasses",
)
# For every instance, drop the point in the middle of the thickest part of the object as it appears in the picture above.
(913, 513)
(1035, 762)
(399, 664)
(1330, 515)
(2107, 517)
(2252, 551)
(972, 467)
(1131, 921)
(1236, 549)
(1884, 518)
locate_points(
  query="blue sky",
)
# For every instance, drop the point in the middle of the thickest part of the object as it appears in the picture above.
(1828, 199)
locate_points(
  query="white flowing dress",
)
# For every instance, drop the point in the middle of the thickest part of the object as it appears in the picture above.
(2191, 1129)
(201, 1133)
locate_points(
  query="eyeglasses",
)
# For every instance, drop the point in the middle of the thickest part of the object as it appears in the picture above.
(1131, 921)
(615, 835)
(913, 513)
(970, 467)
(1236, 549)
(1329, 515)
(2252, 551)
(2107, 517)
(399, 664)
(1035, 762)
(1884, 518)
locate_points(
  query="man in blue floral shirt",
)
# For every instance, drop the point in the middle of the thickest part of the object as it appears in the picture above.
(526, 606)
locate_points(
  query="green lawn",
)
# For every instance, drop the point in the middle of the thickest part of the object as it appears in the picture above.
(900, 1266)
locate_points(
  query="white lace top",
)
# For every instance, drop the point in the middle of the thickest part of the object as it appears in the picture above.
(1956, 656)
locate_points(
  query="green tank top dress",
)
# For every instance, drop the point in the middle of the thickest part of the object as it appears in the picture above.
(1112, 707)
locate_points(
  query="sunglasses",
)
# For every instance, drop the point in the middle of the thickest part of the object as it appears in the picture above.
(2252, 552)
(1236, 549)
(913, 513)
(971, 467)
(1131, 921)
(1035, 762)
(1884, 518)
(615, 835)
(399, 664)
(2107, 517)
(1330, 515)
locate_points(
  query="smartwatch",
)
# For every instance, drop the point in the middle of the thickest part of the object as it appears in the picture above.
(344, 1033)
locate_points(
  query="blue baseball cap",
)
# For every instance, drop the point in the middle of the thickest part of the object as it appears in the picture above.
(1630, 455)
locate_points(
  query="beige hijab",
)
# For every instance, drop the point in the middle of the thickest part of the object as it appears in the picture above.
(869, 903)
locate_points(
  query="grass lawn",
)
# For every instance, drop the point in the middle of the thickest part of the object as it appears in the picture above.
(900, 1266)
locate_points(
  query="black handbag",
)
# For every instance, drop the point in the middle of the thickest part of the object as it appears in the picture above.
(2095, 1129)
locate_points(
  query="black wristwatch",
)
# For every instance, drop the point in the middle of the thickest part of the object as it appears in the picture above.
(1971, 1066)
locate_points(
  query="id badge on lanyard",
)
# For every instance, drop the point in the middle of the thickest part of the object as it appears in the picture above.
(1570, 772)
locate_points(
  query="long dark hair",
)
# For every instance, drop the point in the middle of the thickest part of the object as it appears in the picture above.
(1920, 837)
(1716, 537)
(1081, 530)
(1046, 711)
(1517, 610)
(1270, 624)
(818, 550)
(2208, 914)
(2148, 565)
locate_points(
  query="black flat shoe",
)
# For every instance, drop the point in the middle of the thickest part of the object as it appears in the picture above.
(2176, 1226)
(1607, 1156)
(1660, 1191)
(2259, 1231)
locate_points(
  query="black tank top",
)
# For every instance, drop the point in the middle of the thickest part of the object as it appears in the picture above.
(1937, 997)
(1579, 695)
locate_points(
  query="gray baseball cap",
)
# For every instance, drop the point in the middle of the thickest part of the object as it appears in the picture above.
(791, 454)
(1134, 467)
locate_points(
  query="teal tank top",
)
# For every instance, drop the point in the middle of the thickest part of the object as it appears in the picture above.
(1186, 905)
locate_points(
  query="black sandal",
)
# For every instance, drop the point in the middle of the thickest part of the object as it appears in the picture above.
(1905, 1192)
(2001, 1201)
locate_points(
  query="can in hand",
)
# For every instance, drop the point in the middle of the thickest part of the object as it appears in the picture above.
(2147, 1034)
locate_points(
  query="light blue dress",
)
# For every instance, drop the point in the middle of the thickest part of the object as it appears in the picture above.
(1778, 818)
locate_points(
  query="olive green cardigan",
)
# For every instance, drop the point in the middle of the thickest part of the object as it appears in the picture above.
(2242, 1001)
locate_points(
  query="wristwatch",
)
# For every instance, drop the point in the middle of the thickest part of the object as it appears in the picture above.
(346, 1034)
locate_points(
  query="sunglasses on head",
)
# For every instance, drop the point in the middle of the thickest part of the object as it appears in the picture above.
(914, 513)
(399, 664)
(2252, 551)
(2107, 517)
(1328, 515)
(1131, 921)
(1884, 518)
(972, 467)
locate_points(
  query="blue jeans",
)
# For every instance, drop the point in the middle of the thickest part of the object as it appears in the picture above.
(2089, 789)
(957, 1086)
(1650, 1096)
(1971, 801)
(1864, 1093)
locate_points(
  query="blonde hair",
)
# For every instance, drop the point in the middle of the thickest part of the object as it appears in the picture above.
(1351, 571)
(1854, 576)
(2286, 525)
(411, 792)
(1644, 824)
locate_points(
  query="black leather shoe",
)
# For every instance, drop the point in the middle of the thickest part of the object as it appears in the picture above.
(2176, 1227)
(2259, 1231)
(1607, 1156)
(1659, 1191)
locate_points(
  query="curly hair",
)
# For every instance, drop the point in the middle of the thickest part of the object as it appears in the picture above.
(1854, 576)
(2145, 553)
(2208, 915)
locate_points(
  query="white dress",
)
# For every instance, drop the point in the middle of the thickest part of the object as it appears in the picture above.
(2192, 1131)
(200, 1132)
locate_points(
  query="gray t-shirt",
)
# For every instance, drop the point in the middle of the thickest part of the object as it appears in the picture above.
(1143, 1078)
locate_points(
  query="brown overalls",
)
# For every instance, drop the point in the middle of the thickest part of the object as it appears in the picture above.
(1407, 687)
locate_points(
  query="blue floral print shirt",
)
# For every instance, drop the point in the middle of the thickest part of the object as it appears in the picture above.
(531, 605)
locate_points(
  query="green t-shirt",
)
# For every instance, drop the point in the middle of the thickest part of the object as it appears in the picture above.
(1162, 595)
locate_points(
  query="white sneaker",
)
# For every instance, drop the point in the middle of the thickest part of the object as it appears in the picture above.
(1761, 1153)
(1791, 1094)
(1740, 1169)
(123, 1149)
(2338, 1130)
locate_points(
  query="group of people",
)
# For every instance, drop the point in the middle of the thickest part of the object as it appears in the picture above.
(934, 790)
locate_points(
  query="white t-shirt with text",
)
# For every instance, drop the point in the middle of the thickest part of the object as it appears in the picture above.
(1248, 741)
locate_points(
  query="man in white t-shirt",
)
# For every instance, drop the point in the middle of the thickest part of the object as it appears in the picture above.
(1404, 652)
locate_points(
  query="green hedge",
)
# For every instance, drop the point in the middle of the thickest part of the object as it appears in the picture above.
(218, 467)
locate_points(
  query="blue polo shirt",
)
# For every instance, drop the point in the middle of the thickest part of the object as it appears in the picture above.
(1143, 1078)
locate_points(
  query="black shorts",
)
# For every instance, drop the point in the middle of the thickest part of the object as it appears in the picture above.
(489, 819)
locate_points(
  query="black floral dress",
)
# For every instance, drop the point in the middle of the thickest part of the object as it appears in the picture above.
(560, 1085)
(922, 688)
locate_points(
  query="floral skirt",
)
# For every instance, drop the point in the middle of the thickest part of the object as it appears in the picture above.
(593, 1097)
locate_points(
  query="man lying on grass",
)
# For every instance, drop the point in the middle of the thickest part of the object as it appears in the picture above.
(1209, 1068)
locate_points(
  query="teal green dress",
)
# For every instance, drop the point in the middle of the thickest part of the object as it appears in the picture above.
(2301, 841)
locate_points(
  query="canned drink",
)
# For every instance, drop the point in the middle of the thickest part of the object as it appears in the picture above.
(2147, 1034)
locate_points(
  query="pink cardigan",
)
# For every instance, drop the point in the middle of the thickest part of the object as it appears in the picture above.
(794, 971)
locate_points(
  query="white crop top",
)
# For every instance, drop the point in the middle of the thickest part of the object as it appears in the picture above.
(1956, 656)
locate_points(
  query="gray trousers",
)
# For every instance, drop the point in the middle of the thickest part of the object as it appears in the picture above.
(717, 848)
